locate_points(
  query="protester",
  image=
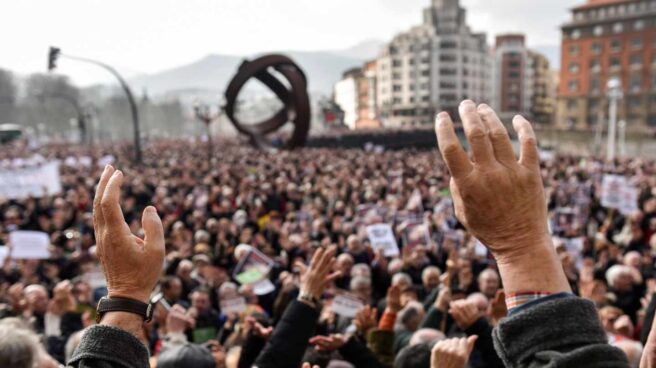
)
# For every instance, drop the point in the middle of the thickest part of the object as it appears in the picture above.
(264, 259)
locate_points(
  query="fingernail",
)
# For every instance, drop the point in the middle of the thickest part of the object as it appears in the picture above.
(468, 105)
(483, 107)
(151, 209)
(118, 172)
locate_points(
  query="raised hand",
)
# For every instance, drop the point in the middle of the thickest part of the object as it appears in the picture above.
(131, 265)
(465, 313)
(365, 320)
(317, 276)
(501, 199)
(452, 353)
(328, 343)
(393, 299)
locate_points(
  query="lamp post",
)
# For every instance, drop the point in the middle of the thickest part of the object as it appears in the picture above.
(54, 53)
(203, 112)
(622, 137)
(614, 95)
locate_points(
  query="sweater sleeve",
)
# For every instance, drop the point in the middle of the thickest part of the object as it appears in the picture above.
(563, 332)
(109, 347)
(290, 337)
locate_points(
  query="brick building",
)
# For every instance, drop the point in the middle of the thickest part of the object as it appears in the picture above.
(608, 39)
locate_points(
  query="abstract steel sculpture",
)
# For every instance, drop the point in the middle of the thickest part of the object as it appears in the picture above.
(295, 100)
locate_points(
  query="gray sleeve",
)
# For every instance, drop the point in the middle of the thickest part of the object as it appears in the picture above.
(561, 333)
(109, 347)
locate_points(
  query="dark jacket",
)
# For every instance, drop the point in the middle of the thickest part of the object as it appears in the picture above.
(109, 347)
(357, 353)
(556, 331)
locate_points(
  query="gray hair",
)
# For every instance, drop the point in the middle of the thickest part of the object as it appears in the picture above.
(412, 310)
(359, 280)
(361, 269)
(226, 287)
(615, 272)
(400, 278)
(430, 269)
(428, 336)
(19, 347)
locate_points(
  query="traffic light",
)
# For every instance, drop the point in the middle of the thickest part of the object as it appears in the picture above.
(53, 54)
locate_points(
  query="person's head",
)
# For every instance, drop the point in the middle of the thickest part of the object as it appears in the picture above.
(361, 286)
(200, 299)
(427, 336)
(410, 317)
(415, 356)
(354, 245)
(82, 292)
(171, 288)
(228, 290)
(488, 282)
(184, 269)
(37, 298)
(632, 259)
(608, 316)
(480, 300)
(72, 343)
(361, 269)
(344, 263)
(402, 280)
(633, 351)
(430, 277)
(395, 266)
(619, 278)
(19, 347)
(188, 355)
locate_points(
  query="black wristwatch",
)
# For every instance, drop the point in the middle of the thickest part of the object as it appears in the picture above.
(107, 304)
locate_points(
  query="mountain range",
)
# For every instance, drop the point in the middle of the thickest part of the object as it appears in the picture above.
(213, 72)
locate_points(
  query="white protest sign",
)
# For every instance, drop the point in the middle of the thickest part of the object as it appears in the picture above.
(346, 305)
(629, 203)
(263, 287)
(3, 254)
(106, 160)
(36, 181)
(611, 191)
(29, 244)
(381, 236)
(234, 305)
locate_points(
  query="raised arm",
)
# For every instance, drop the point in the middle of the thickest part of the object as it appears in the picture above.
(132, 266)
(501, 201)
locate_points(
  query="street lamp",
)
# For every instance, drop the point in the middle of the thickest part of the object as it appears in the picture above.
(614, 95)
(203, 113)
(622, 137)
(55, 53)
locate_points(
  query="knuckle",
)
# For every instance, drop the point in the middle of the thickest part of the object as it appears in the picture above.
(477, 133)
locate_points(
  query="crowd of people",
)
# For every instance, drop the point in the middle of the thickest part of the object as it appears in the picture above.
(256, 243)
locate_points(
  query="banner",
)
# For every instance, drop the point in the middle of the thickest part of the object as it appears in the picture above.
(346, 305)
(37, 181)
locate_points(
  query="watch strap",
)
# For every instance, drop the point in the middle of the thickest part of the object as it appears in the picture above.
(114, 304)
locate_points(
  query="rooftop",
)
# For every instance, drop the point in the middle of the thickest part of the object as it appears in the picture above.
(598, 3)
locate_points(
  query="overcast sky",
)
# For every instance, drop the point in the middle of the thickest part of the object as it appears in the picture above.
(152, 35)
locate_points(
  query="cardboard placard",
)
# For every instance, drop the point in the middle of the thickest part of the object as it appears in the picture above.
(29, 244)
(381, 236)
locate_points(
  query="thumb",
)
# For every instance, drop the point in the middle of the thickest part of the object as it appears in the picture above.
(153, 229)
(471, 340)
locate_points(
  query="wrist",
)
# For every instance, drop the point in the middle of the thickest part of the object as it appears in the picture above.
(126, 321)
(143, 297)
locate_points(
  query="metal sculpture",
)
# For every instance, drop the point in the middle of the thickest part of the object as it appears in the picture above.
(295, 100)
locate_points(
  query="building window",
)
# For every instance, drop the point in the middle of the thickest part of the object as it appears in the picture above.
(576, 34)
(425, 73)
(448, 45)
(616, 45)
(595, 86)
(573, 68)
(636, 43)
(598, 30)
(596, 48)
(595, 65)
(634, 83)
(411, 61)
(614, 62)
(634, 103)
(572, 104)
(618, 27)
(574, 50)
(573, 86)
(639, 25)
(396, 63)
(424, 86)
(396, 88)
(652, 120)
(636, 60)
(396, 76)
